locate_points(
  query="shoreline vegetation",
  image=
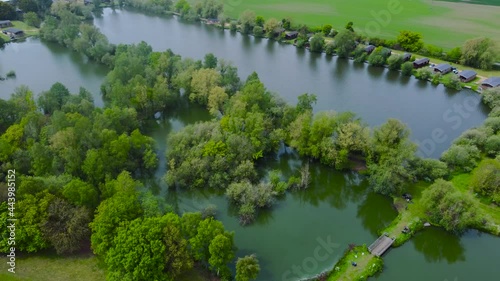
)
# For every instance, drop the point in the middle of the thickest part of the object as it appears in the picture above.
(44, 140)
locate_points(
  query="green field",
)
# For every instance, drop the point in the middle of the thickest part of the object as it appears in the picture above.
(442, 23)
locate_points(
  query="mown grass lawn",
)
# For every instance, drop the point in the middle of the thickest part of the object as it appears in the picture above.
(52, 268)
(445, 24)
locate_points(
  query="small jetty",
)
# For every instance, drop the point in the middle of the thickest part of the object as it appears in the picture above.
(380, 245)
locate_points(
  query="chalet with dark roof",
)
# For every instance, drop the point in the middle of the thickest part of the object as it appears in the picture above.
(13, 32)
(406, 57)
(289, 35)
(369, 49)
(421, 63)
(5, 23)
(467, 75)
(491, 82)
(442, 68)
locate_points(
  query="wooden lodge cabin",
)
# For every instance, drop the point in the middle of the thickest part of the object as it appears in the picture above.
(13, 32)
(491, 82)
(369, 49)
(289, 35)
(421, 63)
(442, 68)
(406, 57)
(5, 23)
(467, 75)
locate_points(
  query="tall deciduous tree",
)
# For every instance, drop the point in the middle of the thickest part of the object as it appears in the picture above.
(480, 53)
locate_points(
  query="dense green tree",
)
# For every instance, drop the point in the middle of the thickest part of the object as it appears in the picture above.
(271, 27)
(207, 230)
(66, 227)
(461, 157)
(410, 41)
(389, 157)
(211, 8)
(407, 68)
(81, 193)
(394, 62)
(123, 206)
(138, 252)
(491, 97)
(428, 169)
(7, 11)
(317, 43)
(247, 21)
(259, 21)
(32, 19)
(377, 57)
(221, 250)
(345, 43)
(53, 99)
(454, 55)
(448, 208)
(258, 31)
(31, 213)
(486, 179)
(247, 268)
(479, 53)
(210, 61)
(27, 5)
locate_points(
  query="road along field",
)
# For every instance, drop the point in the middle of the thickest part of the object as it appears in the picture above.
(443, 23)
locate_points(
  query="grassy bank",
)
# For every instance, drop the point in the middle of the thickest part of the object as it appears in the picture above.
(74, 268)
(53, 268)
(434, 19)
(366, 265)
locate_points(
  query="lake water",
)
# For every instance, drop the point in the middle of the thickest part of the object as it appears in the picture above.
(307, 231)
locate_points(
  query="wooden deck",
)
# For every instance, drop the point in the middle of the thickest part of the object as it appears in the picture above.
(380, 245)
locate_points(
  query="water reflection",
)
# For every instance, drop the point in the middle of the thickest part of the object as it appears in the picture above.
(437, 245)
(375, 219)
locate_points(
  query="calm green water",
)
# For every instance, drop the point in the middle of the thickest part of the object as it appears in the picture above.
(306, 232)
(39, 65)
(437, 255)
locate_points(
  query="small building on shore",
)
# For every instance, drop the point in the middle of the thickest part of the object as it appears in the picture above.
(467, 75)
(369, 49)
(406, 57)
(442, 68)
(13, 32)
(421, 62)
(5, 23)
(289, 35)
(491, 82)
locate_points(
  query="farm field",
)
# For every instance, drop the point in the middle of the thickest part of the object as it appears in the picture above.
(443, 23)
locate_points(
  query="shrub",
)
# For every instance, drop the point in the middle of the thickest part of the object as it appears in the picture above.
(491, 97)
(407, 68)
(453, 82)
(378, 57)
(233, 26)
(486, 179)
(317, 43)
(329, 49)
(461, 157)
(300, 43)
(258, 31)
(423, 73)
(394, 62)
(11, 74)
(436, 78)
(492, 145)
(474, 137)
(361, 57)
